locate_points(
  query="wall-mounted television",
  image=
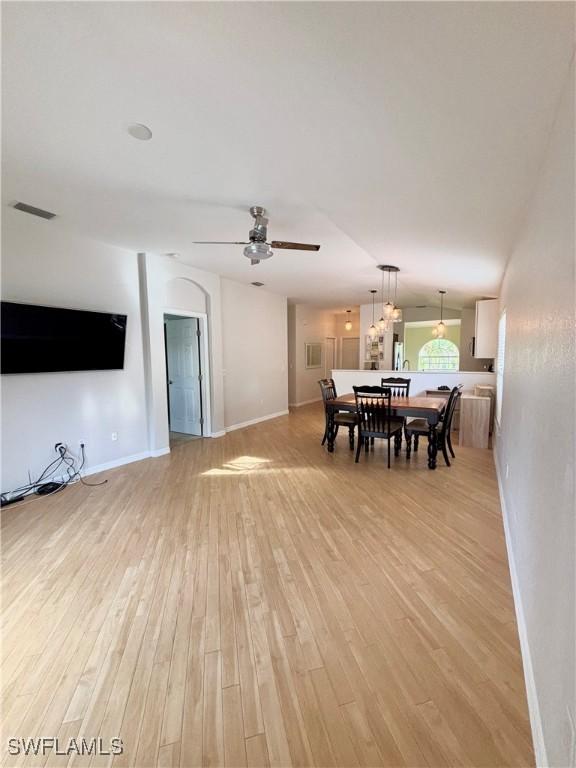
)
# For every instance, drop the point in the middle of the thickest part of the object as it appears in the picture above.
(38, 339)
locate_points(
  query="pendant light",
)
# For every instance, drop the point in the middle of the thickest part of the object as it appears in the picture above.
(348, 323)
(388, 307)
(390, 312)
(373, 331)
(440, 330)
(397, 312)
(383, 322)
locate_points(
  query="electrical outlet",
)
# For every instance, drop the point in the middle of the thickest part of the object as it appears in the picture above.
(82, 442)
(114, 435)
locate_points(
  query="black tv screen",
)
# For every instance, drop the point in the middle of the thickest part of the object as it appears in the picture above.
(48, 339)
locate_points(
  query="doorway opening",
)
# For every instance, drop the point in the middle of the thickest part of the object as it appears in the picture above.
(185, 376)
(330, 356)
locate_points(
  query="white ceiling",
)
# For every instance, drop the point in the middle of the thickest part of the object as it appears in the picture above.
(403, 133)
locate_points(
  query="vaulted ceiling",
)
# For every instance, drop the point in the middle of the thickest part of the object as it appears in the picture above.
(402, 133)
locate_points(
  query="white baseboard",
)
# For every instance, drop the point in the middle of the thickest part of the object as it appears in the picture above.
(163, 451)
(249, 423)
(531, 692)
(306, 402)
(116, 463)
(160, 452)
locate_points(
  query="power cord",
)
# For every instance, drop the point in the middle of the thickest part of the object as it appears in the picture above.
(48, 482)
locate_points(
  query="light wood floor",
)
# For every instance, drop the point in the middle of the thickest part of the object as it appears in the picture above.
(253, 600)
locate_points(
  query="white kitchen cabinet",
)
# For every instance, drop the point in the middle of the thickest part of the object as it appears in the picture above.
(486, 328)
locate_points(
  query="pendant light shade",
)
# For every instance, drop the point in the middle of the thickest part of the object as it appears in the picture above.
(348, 323)
(439, 331)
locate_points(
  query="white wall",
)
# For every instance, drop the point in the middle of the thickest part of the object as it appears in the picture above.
(306, 324)
(45, 264)
(255, 353)
(535, 445)
(42, 264)
(167, 285)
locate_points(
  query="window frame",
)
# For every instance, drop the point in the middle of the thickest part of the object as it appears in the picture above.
(455, 356)
(500, 365)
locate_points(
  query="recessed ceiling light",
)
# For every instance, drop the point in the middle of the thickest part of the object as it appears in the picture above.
(258, 285)
(139, 131)
(172, 255)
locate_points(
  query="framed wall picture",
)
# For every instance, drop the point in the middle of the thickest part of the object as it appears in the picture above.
(314, 355)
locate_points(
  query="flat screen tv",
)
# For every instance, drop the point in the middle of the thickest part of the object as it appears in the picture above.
(48, 339)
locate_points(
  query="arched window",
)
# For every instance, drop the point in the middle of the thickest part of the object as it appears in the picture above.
(439, 355)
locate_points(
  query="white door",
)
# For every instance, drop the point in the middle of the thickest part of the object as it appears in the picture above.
(183, 362)
(330, 358)
(350, 353)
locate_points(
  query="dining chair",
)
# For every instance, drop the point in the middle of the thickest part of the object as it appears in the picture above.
(373, 406)
(341, 418)
(400, 387)
(417, 427)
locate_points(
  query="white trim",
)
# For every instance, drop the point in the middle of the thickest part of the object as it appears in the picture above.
(204, 364)
(120, 462)
(159, 452)
(164, 451)
(529, 680)
(334, 355)
(305, 402)
(117, 463)
(249, 423)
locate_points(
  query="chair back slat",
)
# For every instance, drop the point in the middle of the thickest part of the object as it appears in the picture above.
(373, 406)
(400, 387)
(455, 394)
(328, 389)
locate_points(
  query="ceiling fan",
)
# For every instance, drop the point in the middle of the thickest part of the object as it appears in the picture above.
(257, 248)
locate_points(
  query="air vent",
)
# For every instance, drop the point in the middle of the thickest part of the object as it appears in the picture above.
(258, 285)
(34, 211)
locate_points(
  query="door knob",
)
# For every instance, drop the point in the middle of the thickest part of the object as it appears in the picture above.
(170, 381)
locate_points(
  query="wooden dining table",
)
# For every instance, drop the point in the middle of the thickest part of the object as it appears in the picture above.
(429, 408)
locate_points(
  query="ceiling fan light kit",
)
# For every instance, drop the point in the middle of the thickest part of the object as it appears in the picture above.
(258, 251)
(257, 248)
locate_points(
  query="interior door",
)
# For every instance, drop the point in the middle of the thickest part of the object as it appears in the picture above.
(184, 375)
(350, 353)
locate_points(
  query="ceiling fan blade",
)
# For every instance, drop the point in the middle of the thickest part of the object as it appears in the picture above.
(219, 242)
(294, 246)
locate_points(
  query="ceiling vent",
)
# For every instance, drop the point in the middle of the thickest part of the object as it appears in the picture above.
(258, 285)
(34, 211)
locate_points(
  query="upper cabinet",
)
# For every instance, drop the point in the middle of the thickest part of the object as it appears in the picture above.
(486, 328)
